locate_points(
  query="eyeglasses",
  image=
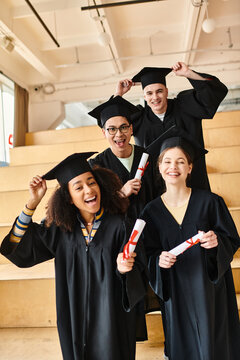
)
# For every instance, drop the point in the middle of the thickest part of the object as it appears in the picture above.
(123, 129)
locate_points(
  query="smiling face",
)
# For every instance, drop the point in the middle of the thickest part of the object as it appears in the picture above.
(156, 97)
(174, 167)
(85, 194)
(119, 142)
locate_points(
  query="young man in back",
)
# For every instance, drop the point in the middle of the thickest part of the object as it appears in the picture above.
(186, 111)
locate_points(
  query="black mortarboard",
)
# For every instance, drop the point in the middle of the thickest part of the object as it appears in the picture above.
(115, 106)
(74, 165)
(176, 137)
(151, 75)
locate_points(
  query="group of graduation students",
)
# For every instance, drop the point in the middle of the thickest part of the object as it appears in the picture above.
(102, 297)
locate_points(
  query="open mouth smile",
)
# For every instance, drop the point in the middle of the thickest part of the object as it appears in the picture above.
(120, 143)
(91, 200)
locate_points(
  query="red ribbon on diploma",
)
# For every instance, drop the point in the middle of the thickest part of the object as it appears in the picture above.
(131, 241)
(191, 242)
(142, 169)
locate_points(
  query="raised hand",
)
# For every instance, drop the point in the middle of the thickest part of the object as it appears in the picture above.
(123, 86)
(181, 69)
(37, 189)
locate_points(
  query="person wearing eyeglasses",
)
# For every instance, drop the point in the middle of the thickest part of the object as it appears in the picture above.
(122, 157)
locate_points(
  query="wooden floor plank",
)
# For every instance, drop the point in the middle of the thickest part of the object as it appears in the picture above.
(43, 344)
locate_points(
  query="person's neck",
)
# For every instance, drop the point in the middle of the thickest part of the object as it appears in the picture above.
(88, 219)
(176, 195)
(160, 114)
(125, 153)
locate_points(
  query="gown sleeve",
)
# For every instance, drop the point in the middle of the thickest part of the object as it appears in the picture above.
(37, 245)
(134, 283)
(203, 100)
(94, 161)
(158, 277)
(137, 119)
(218, 259)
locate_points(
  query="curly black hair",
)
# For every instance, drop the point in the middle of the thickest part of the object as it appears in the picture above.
(63, 213)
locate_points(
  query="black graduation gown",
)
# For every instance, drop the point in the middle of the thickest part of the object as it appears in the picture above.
(148, 190)
(91, 319)
(201, 312)
(186, 111)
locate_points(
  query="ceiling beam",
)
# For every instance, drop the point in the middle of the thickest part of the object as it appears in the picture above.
(24, 11)
(30, 53)
(105, 24)
(191, 17)
(110, 29)
(25, 44)
(193, 30)
(119, 3)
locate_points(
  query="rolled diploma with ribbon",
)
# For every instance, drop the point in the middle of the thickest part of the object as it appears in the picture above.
(132, 242)
(142, 166)
(187, 244)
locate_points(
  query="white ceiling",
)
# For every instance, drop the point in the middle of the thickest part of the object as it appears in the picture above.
(154, 33)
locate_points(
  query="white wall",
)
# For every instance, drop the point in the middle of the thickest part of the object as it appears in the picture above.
(46, 115)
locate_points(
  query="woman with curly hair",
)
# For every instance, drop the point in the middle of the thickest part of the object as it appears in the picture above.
(84, 231)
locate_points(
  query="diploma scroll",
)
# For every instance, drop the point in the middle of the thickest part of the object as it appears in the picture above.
(187, 244)
(132, 242)
(142, 166)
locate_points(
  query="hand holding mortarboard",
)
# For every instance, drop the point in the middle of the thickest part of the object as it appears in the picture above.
(37, 190)
(63, 172)
(181, 69)
(123, 86)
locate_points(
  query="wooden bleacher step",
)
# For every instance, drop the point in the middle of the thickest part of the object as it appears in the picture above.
(12, 203)
(43, 270)
(223, 119)
(53, 153)
(16, 178)
(228, 136)
(226, 185)
(48, 137)
(223, 160)
(235, 213)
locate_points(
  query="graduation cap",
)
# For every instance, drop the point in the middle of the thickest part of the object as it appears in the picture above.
(152, 75)
(115, 106)
(74, 165)
(173, 137)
